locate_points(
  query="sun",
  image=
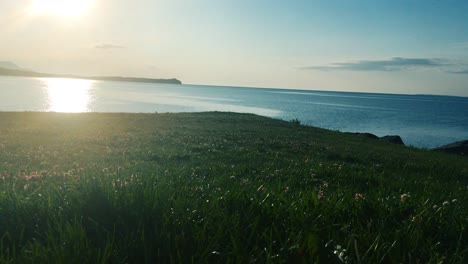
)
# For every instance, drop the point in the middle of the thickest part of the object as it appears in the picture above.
(62, 8)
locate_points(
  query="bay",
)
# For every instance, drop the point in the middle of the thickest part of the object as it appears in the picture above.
(423, 121)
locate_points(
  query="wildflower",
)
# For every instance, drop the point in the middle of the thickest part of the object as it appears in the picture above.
(325, 184)
(320, 194)
(404, 197)
(341, 253)
(359, 196)
(34, 175)
(445, 203)
(322, 188)
(22, 173)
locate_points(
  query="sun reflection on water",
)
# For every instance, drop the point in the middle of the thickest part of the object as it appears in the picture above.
(68, 95)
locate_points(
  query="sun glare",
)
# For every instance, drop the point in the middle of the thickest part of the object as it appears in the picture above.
(68, 95)
(62, 8)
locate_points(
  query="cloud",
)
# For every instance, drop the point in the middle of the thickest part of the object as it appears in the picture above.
(459, 71)
(109, 46)
(394, 64)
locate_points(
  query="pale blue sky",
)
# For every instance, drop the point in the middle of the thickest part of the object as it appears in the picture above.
(393, 46)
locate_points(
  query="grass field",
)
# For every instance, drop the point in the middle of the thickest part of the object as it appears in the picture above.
(221, 187)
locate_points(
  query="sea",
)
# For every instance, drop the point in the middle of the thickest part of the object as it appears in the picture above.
(422, 121)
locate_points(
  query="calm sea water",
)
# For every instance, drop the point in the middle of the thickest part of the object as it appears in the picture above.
(421, 120)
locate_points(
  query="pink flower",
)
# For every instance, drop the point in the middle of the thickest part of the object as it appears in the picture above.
(33, 176)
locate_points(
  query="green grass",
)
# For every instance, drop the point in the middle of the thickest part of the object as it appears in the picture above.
(221, 187)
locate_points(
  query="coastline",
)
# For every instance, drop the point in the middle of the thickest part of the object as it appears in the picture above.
(372, 113)
(25, 73)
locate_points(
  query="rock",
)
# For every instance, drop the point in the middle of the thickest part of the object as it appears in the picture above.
(459, 147)
(392, 139)
(367, 135)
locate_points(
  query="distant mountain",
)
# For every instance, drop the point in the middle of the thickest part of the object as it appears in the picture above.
(8, 71)
(11, 72)
(132, 79)
(10, 65)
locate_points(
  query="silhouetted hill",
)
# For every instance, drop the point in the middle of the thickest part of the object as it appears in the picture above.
(11, 72)
(134, 79)
(24, 73)
(11, 66)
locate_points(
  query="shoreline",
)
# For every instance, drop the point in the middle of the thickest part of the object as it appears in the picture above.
(374, 113)
(394, 139)
(32, 74)
(358, 133)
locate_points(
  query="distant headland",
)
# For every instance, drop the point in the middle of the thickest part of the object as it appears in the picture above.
(28, 73)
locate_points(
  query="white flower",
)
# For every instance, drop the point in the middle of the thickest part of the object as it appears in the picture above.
(404, 197)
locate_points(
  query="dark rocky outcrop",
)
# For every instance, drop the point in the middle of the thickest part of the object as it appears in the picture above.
(367, 135)
(459, 147)
(391, 138)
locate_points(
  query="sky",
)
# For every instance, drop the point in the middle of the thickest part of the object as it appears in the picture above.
(395, 46)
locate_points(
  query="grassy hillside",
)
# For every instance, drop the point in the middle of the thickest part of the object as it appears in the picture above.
(221, 187)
